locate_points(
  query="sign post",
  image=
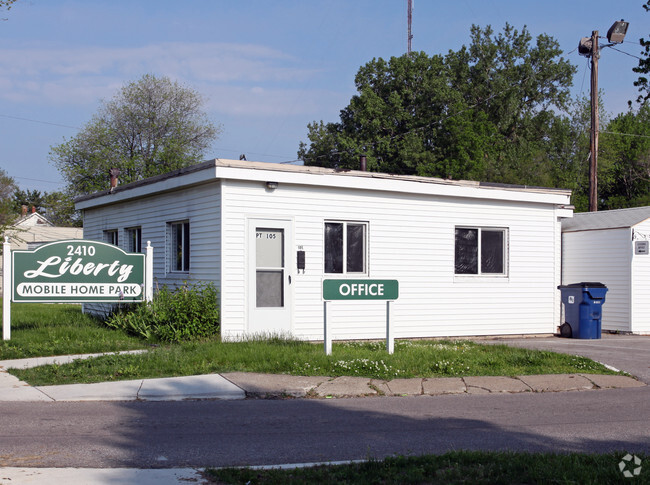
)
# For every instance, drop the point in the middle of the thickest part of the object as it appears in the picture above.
(6, 289)
(367, 289)
(75, 271)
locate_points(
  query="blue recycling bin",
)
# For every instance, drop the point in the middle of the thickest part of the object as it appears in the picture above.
(583, 309)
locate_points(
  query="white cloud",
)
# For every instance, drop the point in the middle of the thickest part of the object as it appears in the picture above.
(266, 102)
(236, 77)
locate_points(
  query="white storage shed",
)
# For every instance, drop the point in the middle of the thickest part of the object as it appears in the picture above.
(471, 258)
(611, 247)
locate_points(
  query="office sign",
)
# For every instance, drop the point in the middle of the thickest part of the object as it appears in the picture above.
(360, 289)
(78, 271)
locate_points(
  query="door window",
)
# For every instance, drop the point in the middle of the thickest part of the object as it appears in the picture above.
(269, 262)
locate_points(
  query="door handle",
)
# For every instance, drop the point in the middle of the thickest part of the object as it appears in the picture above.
(289, 279)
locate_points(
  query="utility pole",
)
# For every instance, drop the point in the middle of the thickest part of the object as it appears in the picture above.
(409, 36)
(588, 47)
(593, 146)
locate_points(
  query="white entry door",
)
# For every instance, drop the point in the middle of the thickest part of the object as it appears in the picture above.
(269, 277)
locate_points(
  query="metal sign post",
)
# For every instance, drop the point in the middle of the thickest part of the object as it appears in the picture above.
(387, 290)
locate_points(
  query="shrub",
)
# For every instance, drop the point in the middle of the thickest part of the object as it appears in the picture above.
(188, 313)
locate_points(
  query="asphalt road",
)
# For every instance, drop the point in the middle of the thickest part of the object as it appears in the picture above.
(262, 432)
(219, 433)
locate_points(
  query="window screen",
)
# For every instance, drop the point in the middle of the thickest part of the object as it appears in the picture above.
(492, 251)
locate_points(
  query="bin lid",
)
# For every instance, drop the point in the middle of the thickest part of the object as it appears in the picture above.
(584, 284)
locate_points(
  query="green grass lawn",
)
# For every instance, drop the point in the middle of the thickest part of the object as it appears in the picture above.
(41, 330)
(462, 467)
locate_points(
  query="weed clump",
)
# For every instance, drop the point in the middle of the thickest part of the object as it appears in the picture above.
(190, 312)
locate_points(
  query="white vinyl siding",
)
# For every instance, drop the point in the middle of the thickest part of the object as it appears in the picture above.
(411, 240)
(410, 233)
(199, 205)
(640, 287)
(601, 256)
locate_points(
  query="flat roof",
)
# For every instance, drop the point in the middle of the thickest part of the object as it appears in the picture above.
(611, 219)
(245, 170)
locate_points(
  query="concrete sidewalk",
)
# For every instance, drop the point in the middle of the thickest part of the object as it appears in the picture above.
(241, 385)
(100, 476)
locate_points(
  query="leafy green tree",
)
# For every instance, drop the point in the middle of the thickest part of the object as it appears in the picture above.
(626, 150)
(29, 198)
(567, 151)
(7, 188)
(151, 126)
(59, 209)
(484, 112)
(644, 66)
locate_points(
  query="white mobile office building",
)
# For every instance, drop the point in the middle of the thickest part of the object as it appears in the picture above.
(471, 258)
(611, 247)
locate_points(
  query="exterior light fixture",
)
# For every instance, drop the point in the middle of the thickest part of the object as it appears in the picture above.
(271, 185)
(617, 31)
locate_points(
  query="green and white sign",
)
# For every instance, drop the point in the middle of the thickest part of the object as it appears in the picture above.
(360, 289)
(78, 271)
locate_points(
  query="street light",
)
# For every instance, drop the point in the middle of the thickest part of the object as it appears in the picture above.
(617, 31)
(588, 47)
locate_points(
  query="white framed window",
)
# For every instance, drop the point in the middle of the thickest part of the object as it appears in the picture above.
(481, 251)
(346, 247)
(111, 237)
(179, 246)
(133, 239)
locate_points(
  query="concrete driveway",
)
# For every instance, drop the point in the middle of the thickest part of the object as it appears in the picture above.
(629, 353)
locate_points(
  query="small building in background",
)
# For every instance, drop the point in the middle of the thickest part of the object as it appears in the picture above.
(612, 247)
(32, 230)
(471, 258)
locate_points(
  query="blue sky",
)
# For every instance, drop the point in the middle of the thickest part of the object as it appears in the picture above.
(267, 68)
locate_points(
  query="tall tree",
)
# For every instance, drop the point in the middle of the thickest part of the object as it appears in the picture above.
(644, 66)
(625, 181)
(7, 213)
(29, 198)
(151, 126)
(483, 112)
(59, 209)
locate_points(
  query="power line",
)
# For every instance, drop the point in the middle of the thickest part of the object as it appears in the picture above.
(39, 180)
(623, 52)
(77, 128)
(624, 134)
(39, 121)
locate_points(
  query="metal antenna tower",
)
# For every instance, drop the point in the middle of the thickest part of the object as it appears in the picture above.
(410, 19)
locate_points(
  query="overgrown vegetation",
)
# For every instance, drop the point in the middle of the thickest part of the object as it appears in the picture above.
(287, 356)
(39, 330)
(44, 330)
(458, 467)
(188, 313)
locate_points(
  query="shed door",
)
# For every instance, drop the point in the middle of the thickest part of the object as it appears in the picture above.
(269, 278)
